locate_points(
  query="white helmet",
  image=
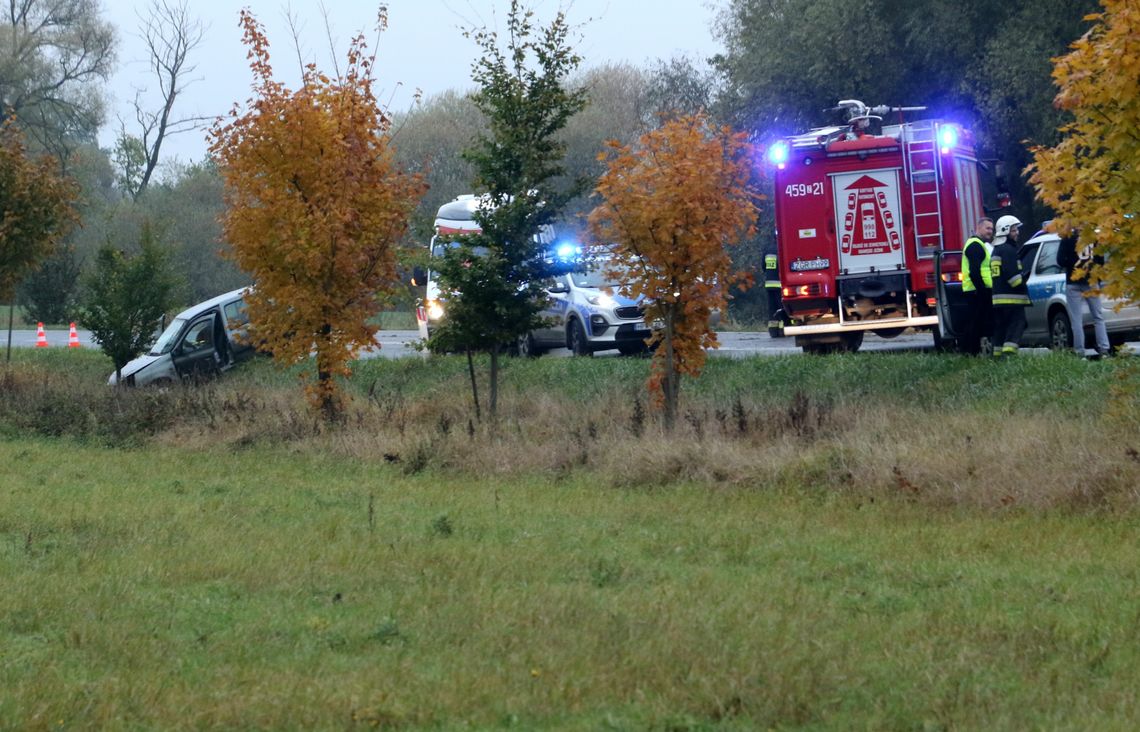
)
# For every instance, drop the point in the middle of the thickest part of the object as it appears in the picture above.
(1001, 229)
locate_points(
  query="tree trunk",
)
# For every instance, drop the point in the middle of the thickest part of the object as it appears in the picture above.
(474, 385)
(11, 312)
(328, 400)
(669, 383)
(493, 401)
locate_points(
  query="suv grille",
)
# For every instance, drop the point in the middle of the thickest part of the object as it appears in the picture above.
(630, 312)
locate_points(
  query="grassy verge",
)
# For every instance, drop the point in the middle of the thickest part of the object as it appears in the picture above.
(264, 589)
(870, 541)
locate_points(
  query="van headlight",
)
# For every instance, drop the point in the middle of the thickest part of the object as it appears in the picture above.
(434, 309)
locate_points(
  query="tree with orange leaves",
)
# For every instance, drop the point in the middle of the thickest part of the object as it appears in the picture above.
(670, 207)
(1091, 178)
(315, 206)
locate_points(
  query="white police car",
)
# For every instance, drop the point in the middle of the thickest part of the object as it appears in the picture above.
(1047, 317)
(585, 317)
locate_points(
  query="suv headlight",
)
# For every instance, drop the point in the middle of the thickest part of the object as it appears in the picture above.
(434, 309)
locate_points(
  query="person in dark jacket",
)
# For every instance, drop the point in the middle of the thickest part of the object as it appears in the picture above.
(1010, 293)
(772, 289)
(1078, 285)
(976, 286)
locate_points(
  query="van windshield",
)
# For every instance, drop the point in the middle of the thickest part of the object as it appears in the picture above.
(166, 341)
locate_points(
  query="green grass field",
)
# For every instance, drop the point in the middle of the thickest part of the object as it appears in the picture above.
(876, 542)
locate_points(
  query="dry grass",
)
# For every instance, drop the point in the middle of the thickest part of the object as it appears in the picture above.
(847, 425)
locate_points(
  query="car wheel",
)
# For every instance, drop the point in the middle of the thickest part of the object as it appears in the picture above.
(1060, 332)
(527, 348)
(631, 349)
(576, 339)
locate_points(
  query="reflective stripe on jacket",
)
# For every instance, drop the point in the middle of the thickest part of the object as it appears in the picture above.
(771, 275)
(1008, 278)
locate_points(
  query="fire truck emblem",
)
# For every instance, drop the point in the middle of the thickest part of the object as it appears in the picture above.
(868, 227)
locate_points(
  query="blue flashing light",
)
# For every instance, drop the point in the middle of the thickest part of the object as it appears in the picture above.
(778, 153)
(567, 251)
(948, 138)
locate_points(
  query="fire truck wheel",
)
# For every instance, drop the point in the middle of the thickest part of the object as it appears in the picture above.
(576, 338)
(889, 333)
(818, 349)
(943, 345)
(851, 342)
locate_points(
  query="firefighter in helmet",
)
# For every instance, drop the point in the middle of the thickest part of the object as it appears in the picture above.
(772, 290)
(977, 286)
(1010, 292)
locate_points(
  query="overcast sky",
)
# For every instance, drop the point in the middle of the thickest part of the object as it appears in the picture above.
(423, 47)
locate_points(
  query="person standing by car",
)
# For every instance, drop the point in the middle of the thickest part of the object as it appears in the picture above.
(1078, 267)
(1010, 292)
(977, 286)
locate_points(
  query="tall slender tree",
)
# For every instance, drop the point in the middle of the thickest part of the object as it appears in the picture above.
(493, 280)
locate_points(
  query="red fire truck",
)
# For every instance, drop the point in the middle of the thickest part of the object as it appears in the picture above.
(863, 211)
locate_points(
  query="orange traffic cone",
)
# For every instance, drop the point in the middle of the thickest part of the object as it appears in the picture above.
(73, 338)
(41, 337)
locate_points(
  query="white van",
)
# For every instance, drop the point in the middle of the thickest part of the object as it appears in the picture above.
(453, 220)
(201, 341)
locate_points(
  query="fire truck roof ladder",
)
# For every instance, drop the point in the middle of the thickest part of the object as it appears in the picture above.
(922, 167)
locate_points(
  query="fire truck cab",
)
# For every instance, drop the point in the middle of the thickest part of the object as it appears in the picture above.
(863, 211)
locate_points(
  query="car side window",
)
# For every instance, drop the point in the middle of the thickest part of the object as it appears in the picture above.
(200, 336)
(1047, 261)
(1026, 255)
(236, 316)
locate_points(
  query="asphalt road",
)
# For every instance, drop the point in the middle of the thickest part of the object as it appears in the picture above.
(395, 343)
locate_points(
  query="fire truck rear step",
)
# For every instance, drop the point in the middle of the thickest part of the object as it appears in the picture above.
(922, 321)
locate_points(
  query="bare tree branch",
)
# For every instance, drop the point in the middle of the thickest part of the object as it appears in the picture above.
(171, 34)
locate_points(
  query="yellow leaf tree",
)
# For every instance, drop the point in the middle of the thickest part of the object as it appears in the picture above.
(315, 206)
(1092, 178)
(670, 207)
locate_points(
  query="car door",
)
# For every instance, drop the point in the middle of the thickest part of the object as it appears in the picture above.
(1046, 283)
(195, 356)
(553, 333)
(236, 328)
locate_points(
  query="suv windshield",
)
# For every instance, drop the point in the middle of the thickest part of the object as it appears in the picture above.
(600, 276)
(166, 341)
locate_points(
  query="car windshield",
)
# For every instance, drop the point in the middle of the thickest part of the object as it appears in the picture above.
(165, 341)
(601, 275)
